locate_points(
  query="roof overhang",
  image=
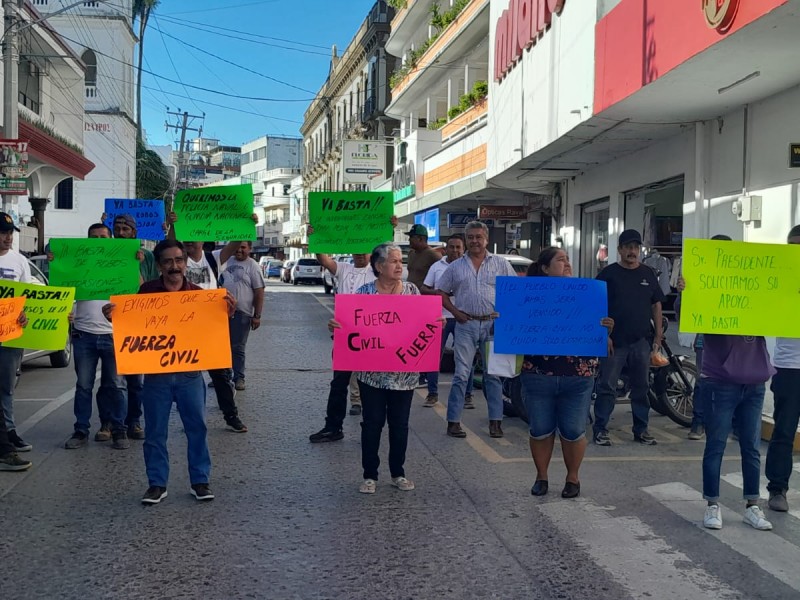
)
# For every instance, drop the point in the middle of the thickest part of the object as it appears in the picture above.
(54, 153)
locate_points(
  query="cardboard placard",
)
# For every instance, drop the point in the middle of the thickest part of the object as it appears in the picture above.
(349, 222)
(47, 309)
(149, 216)
(10, 308)
(96, 267)
(219, 213)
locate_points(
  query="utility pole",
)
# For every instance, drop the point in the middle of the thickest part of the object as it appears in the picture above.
(183, 126)
(10, 85)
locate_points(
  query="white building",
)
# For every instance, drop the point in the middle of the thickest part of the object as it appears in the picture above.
(292, 228)
(102, 35)
(266, 153)
(276, 207)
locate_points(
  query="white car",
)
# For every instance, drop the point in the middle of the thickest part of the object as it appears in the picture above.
(307, 270)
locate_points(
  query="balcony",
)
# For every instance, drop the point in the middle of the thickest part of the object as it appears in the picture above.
(466, 121)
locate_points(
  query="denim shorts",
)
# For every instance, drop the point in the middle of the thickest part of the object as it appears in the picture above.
(557, 403)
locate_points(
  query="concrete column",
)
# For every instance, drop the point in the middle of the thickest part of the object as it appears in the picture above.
(39, 205)
(453, 93)
(468, 80)
(430, 109)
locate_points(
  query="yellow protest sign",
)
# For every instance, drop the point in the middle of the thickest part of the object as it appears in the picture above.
(171, 332)
(47, 309)
(9, 318)
(739, 288)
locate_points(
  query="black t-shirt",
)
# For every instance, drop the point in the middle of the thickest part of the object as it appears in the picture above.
(631, 295)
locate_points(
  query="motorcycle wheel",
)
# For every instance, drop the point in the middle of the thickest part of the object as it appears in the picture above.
(678, 400)
(657, 403)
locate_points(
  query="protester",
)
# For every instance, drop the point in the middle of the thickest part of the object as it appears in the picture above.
(634, 299)
(242, 278)
(350, 278)
(186, 390)
(92, 341)
(420, 256)
(735, 369)
(786, 393)
(385, 396)
(557, 391)
(453, 251)
(697, 430)
(13, 267)
(471, 280)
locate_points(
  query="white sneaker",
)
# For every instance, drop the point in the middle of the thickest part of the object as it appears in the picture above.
(754, 517)
(713, 518)
(368, 487)
(402, 483)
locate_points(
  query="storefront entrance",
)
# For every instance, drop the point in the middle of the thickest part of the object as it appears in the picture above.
(594, 238)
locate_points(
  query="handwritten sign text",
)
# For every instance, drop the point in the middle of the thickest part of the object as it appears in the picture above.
(353, 222)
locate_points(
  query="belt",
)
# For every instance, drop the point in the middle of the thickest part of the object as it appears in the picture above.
(480, 317)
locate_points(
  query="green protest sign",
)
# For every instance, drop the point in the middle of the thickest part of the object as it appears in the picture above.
(349, 222)
(47, 309)
(96, 267)
(223, 212)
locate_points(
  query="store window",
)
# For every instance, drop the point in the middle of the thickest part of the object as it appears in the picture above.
(594, 238)
(64, 195)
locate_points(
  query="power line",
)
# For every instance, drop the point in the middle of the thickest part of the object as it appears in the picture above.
(187, 12)
(174, 68)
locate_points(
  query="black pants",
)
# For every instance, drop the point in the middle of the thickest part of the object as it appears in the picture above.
(224, 392)
(379, 407)
(786, 391)
(337, 400)
(135, 384)
(5, 446)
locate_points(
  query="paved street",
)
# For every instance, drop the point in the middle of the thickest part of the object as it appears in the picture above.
(288, 522)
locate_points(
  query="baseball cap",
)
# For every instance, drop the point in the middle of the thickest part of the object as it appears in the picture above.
(630, 236)
(7, 223)
(418, 230)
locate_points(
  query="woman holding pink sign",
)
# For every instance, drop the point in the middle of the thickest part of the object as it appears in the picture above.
(385, 397)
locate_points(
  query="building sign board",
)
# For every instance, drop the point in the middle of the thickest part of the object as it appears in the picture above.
(362, 161)
(720, 14)
(404, 182)
(13, 166)
(794, 156)
(460, 220)
(508, 213)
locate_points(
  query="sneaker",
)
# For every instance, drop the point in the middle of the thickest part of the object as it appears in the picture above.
(368, 486)
(235, 423)
(754, 517)
(154, 495)
(104, 434)
(403, 484)
(326, 435)
(468, 402)
(697, 432)
(713, 517)
(78, 440)
(201, 491)
(19, 444)
(778, 502)
(239, 385)
(355, 410)
(431, 400)
(135, 432)
(121, 441)
(13, 462)
(645, 438)
(601, 438)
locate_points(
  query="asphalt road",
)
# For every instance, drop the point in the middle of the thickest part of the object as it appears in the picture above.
(288, 521)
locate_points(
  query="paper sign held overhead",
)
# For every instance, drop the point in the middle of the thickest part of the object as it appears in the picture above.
(47, 309)
(95, 267)
(388, 334)
(220, 213)
(149, 216)
(551, 316)
(349, 222)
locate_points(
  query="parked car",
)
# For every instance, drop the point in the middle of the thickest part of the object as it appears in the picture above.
(58, 358)
(308, 270)
(286, 271)
(274, 268)
(329, 281)
(519, 263)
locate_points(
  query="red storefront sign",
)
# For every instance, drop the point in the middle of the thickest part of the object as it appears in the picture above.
(519, 28)
(512, 213)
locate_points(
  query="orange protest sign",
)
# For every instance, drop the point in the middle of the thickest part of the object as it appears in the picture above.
(10, 329)
(171, 332)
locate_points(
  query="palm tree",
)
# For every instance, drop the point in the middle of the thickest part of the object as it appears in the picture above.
(141, 10)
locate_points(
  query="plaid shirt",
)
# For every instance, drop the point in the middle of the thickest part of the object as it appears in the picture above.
(474, 291)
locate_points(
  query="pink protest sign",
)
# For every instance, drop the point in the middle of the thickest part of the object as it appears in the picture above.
(387, 333)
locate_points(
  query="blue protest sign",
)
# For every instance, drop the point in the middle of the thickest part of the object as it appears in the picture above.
(149, 215)
(551, 316)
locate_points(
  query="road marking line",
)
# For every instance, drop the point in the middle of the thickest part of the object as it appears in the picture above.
(769, 551)
(622, 459)
(637, 558)
(475, 442)
(46, 410)
(737, 481)
(16, 400)
(325, 306)
(658, 432)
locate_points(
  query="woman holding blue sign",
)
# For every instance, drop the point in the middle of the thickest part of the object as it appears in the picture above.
(558, 392)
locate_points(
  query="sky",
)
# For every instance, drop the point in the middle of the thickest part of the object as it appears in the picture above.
(268, 44)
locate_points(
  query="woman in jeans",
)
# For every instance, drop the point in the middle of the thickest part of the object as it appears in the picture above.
(385, 397)
(557, 392)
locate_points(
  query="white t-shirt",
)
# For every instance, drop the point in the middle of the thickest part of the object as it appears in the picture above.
(14, 266)
(787, 353)
(433, 277)
(89, 317)
(200, 273)
(350, 278)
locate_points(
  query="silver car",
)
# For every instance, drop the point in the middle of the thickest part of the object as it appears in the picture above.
(307, 270)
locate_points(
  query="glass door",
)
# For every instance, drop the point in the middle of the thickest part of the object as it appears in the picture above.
(594, 238)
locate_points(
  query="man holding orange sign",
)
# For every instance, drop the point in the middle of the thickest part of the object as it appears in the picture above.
(171, 331)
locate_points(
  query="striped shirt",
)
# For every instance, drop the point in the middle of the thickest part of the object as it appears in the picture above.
(474, 291)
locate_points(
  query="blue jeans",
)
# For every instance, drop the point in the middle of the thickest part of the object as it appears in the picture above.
(10, 359)
(636, 357)
(468, 338)
(786, 390)
(112, 397)
(723, 402)
(240, 331)
(433, 376)
(188, 392)
(557, 403)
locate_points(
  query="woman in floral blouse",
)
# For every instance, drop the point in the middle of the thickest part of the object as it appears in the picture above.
(385, 396)
(557, 392)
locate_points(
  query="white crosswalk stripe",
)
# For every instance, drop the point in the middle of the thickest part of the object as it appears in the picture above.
(736, 480)
(636, 557)
(768, 550)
